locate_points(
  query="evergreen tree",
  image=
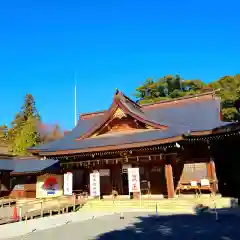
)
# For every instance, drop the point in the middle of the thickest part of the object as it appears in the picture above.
(29, 108)
(24, 128)
(26, 137)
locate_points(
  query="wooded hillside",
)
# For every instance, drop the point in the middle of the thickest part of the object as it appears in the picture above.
(169, 87)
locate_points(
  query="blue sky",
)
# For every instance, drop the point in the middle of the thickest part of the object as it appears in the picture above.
(110, 44)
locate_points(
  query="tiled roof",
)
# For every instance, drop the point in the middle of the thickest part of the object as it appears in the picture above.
(194, 115)
(6, 165)
(199, 113)
(27, 166)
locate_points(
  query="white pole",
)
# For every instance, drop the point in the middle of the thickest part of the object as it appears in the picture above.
(75, 103)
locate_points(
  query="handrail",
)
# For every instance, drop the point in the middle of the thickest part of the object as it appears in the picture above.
(39, 201)
(8, 197)
(44, 200)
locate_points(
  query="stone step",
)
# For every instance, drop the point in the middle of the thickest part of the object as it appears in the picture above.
(133, 205)
(142, 203)
(175, 201)
(139, 204)
(142, 207)
(160, 211)
(152, 209)
(136, 206)
(152, 204)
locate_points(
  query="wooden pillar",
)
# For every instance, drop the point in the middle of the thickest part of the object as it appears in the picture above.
(211, 171)
(169, 178)
(116, 178)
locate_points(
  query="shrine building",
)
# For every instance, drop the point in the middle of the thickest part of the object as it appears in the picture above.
(154, 137)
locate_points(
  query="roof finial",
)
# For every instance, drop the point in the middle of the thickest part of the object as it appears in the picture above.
(117, 90)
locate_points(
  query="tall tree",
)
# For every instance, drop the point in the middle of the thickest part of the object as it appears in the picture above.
(24, 128)
(29, 108)
(26, 137)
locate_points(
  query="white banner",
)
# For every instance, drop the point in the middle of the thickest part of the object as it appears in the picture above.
(68, 183)
(133, 180)
(94, 184)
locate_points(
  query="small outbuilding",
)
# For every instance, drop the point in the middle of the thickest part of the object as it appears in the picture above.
(30, 178)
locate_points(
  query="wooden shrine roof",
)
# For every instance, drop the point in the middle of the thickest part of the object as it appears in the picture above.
(28, 166)
(169, 120)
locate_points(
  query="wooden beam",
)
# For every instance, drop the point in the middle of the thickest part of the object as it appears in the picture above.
(128, 146)
(211, 171)
(169, 180)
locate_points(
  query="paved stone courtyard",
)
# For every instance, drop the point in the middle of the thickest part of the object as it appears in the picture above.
(145, 226)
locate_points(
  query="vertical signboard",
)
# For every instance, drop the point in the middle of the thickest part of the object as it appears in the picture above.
(133, 180)
(94, 184)
(68, 183)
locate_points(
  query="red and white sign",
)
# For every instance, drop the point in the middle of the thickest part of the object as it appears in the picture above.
(94, 184)
(68, 183)
(133, 180)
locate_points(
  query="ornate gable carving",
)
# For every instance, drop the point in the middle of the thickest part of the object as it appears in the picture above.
(123, 115)
(119, 114)
(121, 122)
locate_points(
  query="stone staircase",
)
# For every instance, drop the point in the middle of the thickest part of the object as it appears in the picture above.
(176, 205)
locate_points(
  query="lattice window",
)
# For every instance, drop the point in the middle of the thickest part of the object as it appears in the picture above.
(194, 171)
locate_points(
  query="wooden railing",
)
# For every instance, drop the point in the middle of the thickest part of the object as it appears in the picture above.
(6, 200)
(49, 206)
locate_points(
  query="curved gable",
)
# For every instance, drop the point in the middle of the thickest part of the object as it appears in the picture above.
(123, 114)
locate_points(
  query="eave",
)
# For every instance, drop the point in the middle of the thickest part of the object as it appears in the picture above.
(35, 173)
(112, 147)
(228, 128)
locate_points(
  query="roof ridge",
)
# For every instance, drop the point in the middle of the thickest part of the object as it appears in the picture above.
(181, 98)
(129, 99)
(213, 92)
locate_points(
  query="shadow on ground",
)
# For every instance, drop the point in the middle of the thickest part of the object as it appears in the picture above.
(192, 227)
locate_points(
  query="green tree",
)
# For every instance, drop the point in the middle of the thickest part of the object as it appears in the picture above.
(29, 108)
(193, 85)
(26, 137)
(167, 87)
(173, 83)
(146, 90)
(228, 89)
(24, 128)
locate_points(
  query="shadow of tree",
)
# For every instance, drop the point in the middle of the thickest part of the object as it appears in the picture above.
(192, 227)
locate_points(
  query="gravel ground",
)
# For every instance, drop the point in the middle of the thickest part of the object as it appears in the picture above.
(145, 226)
